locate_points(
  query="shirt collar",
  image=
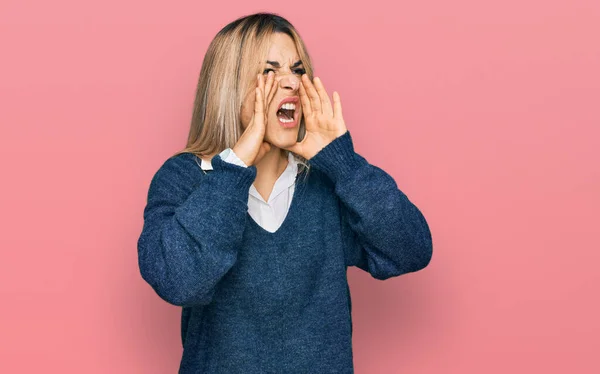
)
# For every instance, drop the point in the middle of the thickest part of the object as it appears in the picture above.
(285, 180)
(292, 164)
(283, 183)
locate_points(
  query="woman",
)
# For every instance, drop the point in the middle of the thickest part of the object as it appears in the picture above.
(262, 279)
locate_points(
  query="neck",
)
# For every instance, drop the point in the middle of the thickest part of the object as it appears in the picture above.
(273, 163)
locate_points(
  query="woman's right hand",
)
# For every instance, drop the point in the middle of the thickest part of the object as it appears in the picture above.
(251, 146)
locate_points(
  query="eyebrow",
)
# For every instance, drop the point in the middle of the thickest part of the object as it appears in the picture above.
(276, 64)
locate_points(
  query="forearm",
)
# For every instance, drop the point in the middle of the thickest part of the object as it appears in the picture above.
(388, 234)
(190, 239)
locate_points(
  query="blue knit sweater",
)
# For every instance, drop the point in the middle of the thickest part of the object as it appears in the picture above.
(260, 302)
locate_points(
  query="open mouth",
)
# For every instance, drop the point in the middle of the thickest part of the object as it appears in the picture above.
(286, 114)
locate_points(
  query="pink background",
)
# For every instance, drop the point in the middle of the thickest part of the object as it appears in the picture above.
(487, 114)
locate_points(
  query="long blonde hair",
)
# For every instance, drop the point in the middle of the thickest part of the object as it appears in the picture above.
(233, 59)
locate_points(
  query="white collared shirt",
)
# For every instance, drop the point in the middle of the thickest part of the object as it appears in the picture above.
(268, 214)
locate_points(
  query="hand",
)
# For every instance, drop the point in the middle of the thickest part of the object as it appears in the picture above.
(323, 123)
(251, 146)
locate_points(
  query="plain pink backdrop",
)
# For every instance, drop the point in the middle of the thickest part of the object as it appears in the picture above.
(487, 114)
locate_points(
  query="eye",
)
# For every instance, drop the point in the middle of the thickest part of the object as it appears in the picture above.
(297, 71)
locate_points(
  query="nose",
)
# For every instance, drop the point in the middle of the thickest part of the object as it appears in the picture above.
(289, 82)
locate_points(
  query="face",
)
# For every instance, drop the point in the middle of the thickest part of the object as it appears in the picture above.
(283, 61)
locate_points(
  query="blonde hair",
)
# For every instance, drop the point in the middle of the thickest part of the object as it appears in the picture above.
(233, 59)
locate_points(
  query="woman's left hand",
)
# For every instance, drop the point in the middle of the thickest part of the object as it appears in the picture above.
(323, 122)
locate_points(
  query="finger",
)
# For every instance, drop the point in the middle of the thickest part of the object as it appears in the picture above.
(266, 89)
(337, 106)
(258, 107)
(272, 93)
(261, 82)
(269, 83)
(261, 98)
(315, 101)
(324, 96)
(306, 108)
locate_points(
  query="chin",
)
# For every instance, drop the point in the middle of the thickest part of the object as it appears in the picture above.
(282, 137)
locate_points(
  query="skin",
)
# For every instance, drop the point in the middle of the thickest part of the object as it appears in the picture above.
(264, 142)
(275, 84)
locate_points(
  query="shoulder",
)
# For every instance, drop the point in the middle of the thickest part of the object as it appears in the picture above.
(181, 165)
(177, 175)
(316, 177)
(318, 183)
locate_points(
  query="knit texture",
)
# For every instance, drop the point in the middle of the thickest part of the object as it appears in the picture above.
(260, 302)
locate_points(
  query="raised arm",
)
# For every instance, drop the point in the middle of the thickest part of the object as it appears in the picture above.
(193, 227)
(385, 234)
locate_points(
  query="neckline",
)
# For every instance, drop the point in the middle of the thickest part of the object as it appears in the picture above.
(298, 188)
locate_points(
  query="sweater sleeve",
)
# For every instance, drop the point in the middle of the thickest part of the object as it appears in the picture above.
(229, 156)
(193, 226)
(384, 233)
